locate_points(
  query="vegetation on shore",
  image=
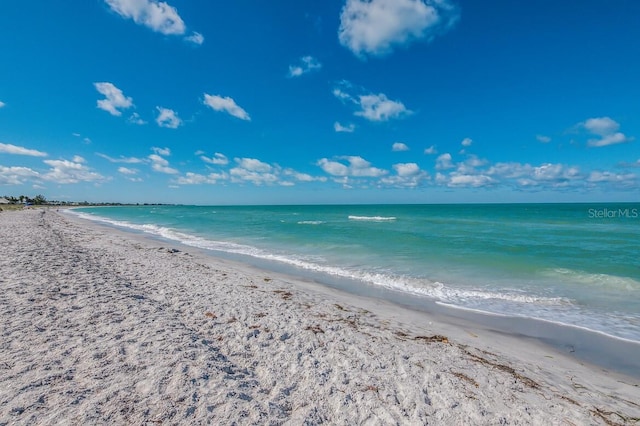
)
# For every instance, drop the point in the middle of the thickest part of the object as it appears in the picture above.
(40, 200)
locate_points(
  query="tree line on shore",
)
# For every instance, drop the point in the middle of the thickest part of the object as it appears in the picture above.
(40, 200)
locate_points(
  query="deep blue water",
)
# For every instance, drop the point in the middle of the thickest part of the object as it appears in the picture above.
(575, 264)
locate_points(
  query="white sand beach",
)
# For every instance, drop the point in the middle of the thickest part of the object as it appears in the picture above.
(104, 327)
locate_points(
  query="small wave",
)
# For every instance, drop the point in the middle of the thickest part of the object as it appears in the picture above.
(311, 222)
(596, 280)
(373, 218)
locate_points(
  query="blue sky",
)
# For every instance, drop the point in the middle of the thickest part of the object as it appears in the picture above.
(333, 101)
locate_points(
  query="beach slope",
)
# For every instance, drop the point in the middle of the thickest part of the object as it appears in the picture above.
(103, 327)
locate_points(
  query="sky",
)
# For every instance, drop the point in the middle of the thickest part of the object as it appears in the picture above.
(332, 101)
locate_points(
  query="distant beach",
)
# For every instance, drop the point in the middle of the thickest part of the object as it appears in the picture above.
(106, 327)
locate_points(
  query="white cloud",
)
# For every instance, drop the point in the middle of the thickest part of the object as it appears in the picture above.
(114, 101)
(127, 160)
(543, 138)
(226, 104)
(253, 165)
(613, 139)
(156, 15)
(473, 181)
(380, 108)
(443, 162)
(601, 126)
(306, 65)
(431, 150)
(254, 171)
(597, 176)
(16, 175)
(466, 142)
(136, 119)
(127, 171)
(375, 27)
(217, 159)
(343, 129)
(399, 146)
(195, 38)
(356, 167)
(607, 131)
(7, 148)
(197, 179)
(302, 177)
(161, 151)
(372, 107)
(408, 175)
(68, 172)
(168, 118)
(546, 175)
(406, 169)
(161, 165)
(2, 104)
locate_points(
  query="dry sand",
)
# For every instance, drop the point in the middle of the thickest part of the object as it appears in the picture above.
(102, 327)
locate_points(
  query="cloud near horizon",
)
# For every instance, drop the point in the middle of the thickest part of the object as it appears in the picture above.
(607, 131)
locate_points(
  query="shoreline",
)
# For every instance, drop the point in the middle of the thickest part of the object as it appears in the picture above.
(106, 326)
(586, 345)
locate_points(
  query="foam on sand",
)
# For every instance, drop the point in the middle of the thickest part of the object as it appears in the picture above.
(100, 326)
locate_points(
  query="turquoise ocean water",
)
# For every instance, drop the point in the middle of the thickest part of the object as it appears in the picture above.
(573, 264)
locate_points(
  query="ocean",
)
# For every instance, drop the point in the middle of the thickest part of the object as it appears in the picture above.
(569, 264)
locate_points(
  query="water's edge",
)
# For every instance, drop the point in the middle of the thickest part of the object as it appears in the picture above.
(601, 350)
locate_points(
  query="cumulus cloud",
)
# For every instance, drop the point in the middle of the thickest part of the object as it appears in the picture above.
(380, 108)
(7, 148)
(375, 27)
(543, 138)
(226, 104)
(254, 171)
(350, 128)
(305, 65)
(617, 180)
(69, 172)
(114, 101)
(161, 165)
(16, 175)
(217, 159)
(373, 107)
(399, 146)
(253, 164)
(472, 181)
(156, 15)
(606, 130)
(127, 171)
(466, 142)
(168, 118)
(431, 150)
(191, 178)
(2, 104)
(161, 151)
(355, 167)
(408, 175)
(444, 162)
